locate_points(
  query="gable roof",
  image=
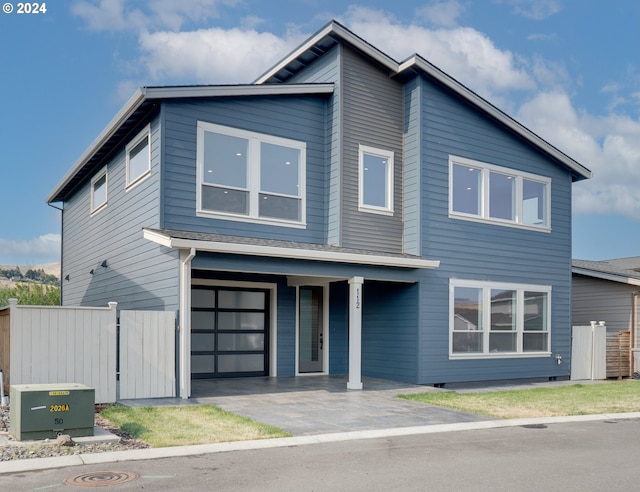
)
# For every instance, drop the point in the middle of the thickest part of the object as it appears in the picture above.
(334, 33)
(624, 270)
(143, 102)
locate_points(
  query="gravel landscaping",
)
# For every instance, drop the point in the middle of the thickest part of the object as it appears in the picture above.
(48, 448)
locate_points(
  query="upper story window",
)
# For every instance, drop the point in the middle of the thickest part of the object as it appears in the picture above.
(250, 176)
(480, 191)
(376, 180)
(498, 320)
(99, 191)
(138, 157)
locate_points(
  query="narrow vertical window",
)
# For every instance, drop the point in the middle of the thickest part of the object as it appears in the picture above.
(99, 191)
(466, 189)
(467, 320)
(138, 158)
(376, 180)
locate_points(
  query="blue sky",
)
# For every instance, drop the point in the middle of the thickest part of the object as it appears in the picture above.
(567, 69)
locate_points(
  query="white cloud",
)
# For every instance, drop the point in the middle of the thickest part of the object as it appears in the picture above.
(444, 13)
(43, 249)
(464, 53)
(535, 9)
(608, 145)
(212, 56)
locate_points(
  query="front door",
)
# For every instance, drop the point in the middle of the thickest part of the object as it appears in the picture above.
(311, 337)
(229, 332)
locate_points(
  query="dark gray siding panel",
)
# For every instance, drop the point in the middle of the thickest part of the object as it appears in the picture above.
(390, 331)
(478, 251)
(596, 299)
(140, 274)
(298, 118)
(339, 328)
(372, 116)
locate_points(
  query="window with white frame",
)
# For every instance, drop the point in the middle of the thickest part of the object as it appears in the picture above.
(480, 191)
(250, 176)
(376, 180)
(498, 320)
(138, 158)
(99, 191)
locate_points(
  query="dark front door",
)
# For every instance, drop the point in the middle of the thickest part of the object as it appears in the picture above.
(229, 332)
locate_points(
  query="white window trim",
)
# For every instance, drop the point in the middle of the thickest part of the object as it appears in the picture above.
(145, 133)
(253, 177)
(484, 216)
(103, 172)
(385, 154)
(486, 302)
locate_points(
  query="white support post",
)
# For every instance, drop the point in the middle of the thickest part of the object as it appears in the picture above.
(184, 368)
(355, 333)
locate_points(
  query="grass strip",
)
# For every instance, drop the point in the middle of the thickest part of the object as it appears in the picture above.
(186, 425)
(577, 399)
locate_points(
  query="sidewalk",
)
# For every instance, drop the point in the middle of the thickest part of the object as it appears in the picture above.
(315, 410)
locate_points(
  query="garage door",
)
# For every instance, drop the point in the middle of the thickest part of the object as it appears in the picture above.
(229, 332)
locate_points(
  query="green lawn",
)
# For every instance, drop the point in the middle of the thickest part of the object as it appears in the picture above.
(577, 399)
(185, 425)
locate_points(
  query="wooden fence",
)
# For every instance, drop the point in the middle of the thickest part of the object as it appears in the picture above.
(45, 344)
(618, 354)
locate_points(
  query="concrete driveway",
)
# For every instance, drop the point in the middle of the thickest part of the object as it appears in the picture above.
(318, 404)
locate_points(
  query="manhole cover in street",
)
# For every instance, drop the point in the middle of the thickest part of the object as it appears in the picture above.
(101, 479)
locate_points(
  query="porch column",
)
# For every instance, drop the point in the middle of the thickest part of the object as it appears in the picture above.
(184, 354)
(355, 333)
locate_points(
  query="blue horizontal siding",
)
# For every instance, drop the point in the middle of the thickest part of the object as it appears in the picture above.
(482, 251)
(297, 117)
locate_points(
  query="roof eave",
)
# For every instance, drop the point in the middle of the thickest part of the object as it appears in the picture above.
(606, 276)
(416, 61)
(291, 253)
(127, 110)
(339, 30)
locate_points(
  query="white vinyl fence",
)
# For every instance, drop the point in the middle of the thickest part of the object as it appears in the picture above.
(78, 345)
(589, 352)
(147, 354)
(64, 345)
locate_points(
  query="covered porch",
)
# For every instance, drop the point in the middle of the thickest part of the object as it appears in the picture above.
(282, 272)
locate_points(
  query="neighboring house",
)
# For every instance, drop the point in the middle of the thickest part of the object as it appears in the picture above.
(344, 214)
(608, 291)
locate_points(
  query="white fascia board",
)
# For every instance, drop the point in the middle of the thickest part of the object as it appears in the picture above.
(346, 35)
(237, 90)
(605, 276)
(493, 111)
(292, 253)
(127, 110)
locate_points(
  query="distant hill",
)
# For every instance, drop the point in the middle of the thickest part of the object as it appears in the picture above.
(47, 268)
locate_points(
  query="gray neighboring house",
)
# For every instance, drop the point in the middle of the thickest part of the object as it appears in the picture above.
(609, 291)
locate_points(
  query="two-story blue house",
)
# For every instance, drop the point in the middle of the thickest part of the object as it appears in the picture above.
(344, 214)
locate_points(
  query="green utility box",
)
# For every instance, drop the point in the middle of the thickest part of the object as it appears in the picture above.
(41, 411)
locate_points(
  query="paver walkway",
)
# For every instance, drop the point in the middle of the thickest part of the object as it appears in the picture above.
(318, 404)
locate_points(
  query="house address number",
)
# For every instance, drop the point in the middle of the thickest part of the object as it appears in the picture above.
(59, 408)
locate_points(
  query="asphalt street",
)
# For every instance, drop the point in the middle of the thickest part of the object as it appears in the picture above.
(577, 456)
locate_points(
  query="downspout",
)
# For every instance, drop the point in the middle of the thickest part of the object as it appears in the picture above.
(184, 326)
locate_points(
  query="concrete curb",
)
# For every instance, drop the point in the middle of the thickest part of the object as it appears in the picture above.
(154, 453)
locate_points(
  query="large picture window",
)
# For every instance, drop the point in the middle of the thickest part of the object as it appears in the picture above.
(480, 191)
(496, 320)
(250, 176)
(376, 180)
